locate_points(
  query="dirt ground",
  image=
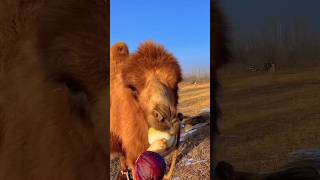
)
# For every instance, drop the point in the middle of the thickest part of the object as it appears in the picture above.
(268, 117)
(194, 159)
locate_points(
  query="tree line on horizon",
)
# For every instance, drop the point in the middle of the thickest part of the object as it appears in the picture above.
(286, 43)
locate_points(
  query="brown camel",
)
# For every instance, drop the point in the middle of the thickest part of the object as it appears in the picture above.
(53, 77)
(144, 94)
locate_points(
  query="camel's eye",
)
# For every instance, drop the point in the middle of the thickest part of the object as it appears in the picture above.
(134, 91)
(79, 98)
(73, 85)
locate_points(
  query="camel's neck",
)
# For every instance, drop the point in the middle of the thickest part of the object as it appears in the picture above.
(128, 123)
(41, 139)
(33, 152)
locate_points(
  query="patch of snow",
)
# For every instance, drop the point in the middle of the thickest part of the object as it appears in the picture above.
(197, 126)
(312, 153)
(205, 110)
(192, 162)
(183, 136)
(194, 128)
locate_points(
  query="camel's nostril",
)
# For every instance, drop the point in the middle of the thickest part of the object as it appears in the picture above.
(158, 116)
(180, 116)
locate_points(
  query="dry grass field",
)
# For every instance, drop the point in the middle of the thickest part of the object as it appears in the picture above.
(267, 117)
(194, 162)
(194, 159)
(193, 98)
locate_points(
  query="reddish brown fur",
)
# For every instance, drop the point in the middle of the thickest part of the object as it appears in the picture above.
(129, 117)
(53, 89)
(118, 55)
(152, 57)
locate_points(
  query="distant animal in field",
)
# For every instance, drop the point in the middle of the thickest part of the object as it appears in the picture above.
(195, 82)
(270, 67)
(53, 90)
(143, 94)
(252, 68)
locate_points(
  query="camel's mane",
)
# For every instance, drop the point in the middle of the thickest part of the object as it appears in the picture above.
(151, 58)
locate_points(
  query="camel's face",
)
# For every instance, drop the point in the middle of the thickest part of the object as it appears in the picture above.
(154, 86)
(158, 100)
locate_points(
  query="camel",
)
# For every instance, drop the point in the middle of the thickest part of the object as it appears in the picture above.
(53, 96)
(144, 94)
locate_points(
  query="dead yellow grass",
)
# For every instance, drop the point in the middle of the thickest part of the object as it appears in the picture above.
(266, 116)
(193, 98)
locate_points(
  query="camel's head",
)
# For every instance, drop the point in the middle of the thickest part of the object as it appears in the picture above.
(152, 75)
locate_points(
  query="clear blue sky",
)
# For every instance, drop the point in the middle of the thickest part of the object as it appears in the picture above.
(182, 26)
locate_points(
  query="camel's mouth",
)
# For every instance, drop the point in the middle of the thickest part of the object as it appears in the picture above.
(161, 141)
(169, 135)
(169, 126)
(165, 142)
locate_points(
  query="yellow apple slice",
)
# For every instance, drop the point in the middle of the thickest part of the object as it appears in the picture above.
(158, 146)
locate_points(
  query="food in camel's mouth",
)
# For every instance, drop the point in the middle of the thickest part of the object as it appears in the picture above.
(160, 140)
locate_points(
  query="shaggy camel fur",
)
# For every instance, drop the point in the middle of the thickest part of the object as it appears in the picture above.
(53, 76)
(144, 94)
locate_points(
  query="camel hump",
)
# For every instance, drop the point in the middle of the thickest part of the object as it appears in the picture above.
(118, 55)
(120, 49)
